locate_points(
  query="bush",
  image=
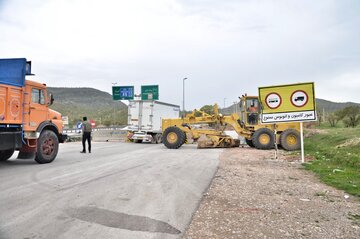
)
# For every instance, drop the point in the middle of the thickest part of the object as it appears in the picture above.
(350, 116)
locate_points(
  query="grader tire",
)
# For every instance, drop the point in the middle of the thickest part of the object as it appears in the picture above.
(6, 154)
(290, 140)
(47, 147)
(173, 137)
(263, 138)
(249, 142)
(185, 138)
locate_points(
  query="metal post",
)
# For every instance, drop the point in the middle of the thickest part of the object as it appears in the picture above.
(302, 142)
(114, 84)
(276, 147)
(183, 114)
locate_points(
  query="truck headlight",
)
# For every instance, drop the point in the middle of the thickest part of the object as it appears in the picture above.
(31, 135)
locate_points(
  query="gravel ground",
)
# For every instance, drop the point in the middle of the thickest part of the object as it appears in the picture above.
(256, 196)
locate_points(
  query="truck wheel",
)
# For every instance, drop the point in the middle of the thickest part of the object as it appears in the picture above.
(290, 140)
(249, 142)
(47, 147)
(157, 138)
(6, 154)
(173, 137)
(263, 138)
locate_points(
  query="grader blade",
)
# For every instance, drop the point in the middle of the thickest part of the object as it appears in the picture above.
(217, 141)
(236, 143)
(205, 142)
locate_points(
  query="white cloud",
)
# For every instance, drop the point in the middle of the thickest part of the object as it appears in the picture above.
(224, 48)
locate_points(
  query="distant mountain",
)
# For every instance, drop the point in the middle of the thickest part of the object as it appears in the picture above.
(321, 105)
(95, 104)
(328, 106)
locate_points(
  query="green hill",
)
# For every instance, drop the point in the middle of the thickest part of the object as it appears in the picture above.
(328, 106)
(95, 104)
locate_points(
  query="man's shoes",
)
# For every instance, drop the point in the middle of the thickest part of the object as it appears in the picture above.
(83, 152)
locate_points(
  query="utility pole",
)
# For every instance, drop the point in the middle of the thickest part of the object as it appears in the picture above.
(114, 84)
(183, 114)
(224, 106)
(235, 107)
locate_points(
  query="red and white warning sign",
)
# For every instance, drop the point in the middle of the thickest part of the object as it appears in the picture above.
(92, 122)
(273, 100)
(299, 98)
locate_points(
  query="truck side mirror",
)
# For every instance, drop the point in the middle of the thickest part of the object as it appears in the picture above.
(51, 99)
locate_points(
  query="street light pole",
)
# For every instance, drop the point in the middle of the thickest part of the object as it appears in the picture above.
(183, 114)
(114, 84)
(235, 107)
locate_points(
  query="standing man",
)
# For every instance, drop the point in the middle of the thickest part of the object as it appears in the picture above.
(86, 128)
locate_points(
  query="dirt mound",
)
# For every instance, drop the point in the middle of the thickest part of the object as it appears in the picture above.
(310, 132)
(350, 142)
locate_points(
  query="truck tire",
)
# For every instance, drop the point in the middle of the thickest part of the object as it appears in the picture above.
(263, 138)
(249, 142)
(290, 139)
(157, 138)
(47, 147)
(6, 154)
(173, 137)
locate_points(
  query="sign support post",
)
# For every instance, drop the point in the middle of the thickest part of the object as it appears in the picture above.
(302, 142)
(276, 147)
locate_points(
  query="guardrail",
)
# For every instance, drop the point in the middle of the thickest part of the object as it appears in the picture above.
(99, 133)
(118, 128)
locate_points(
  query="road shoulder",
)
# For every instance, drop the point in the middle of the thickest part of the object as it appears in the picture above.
(253, 195)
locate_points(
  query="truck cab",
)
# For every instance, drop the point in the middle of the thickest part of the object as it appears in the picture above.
(27, 124)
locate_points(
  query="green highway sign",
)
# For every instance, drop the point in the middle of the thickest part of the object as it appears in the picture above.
(123, 92)
(150, 92)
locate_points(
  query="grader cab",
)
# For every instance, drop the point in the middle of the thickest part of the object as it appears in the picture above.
(262, 136)
(208, 130)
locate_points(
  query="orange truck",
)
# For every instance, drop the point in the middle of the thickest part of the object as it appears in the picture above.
(27, 124)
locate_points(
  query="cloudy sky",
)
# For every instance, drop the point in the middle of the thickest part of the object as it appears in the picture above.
(224, 48)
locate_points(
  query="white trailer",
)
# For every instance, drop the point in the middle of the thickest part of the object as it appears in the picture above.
(145, 119)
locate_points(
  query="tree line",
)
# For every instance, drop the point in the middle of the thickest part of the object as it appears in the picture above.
(350, 116)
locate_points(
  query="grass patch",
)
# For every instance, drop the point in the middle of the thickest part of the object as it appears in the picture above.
(336, 166)
(355, 218)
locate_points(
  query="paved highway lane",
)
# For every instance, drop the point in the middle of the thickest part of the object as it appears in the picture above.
(121, 190)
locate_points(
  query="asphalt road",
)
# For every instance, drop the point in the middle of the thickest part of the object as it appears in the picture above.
(121, 190)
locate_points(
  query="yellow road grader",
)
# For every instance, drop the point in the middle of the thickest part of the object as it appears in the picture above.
(195, 127)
